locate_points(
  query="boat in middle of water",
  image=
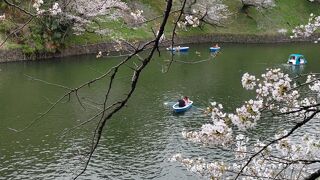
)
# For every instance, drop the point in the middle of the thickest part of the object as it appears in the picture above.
(178, 49)
(214, 49)
(296, 59)
(178, 109)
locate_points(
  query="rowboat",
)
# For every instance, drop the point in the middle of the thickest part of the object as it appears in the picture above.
(214, 49)
(178, 49)
(178, 109)
(296, 59)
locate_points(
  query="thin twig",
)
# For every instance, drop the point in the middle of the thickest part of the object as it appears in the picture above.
(16, 30)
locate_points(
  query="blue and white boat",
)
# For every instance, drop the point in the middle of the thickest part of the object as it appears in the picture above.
(214, 49)
(297, 59)
(178, 109)
(178, 49)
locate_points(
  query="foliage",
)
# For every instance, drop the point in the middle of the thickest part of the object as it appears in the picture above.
(280, 19)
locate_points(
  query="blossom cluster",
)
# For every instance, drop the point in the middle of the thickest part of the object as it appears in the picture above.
(37, 4)
(248, 81)
(308, 29)
(286, 158)
(83, 13)
(189, 20)
(314, 83)
(213, 12)
(214, 170)
(80, 14)
(216, 133)
(216, 14)
(2, 17)
(247, 115)
(137, 16)
(282, 31)
(55, 10)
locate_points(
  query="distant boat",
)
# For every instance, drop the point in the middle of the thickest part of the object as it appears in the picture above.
(296, 59)
(178, 49)
(214, 49)
(178, 109)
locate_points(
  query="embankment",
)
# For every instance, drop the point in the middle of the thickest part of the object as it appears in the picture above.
(17, 55)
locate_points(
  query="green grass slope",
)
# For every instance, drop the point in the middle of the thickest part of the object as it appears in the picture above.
(287, 14)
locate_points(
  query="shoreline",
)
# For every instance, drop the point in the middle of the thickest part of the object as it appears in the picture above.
(15, 55)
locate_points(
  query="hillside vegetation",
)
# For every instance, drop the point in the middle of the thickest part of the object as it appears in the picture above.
(279, 19)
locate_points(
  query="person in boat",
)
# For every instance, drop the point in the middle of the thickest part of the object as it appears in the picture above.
(186, 99)
(216, 45)
(181, 102)
(99, 55)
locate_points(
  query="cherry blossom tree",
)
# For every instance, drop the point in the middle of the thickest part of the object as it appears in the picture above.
(54, 20)
(280, 157)
(211, 12)
(307, 30)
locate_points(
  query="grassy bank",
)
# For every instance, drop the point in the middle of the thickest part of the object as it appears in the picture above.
(285, 15)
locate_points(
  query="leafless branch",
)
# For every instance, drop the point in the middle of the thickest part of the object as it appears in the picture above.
(101, 125)
(18, 7)
(16, 30)
(49, 83)
(174, 32)
(314, 175)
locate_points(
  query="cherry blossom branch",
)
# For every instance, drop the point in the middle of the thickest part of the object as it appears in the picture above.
(302, 108)
(297, 126)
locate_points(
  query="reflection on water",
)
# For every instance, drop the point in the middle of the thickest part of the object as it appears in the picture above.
(293, 69)
(140, 139)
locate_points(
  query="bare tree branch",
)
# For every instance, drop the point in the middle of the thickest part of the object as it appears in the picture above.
(101, 125)
(314, 175)
(174, 32)
(18, 7)
(16, 30)
(46, 82)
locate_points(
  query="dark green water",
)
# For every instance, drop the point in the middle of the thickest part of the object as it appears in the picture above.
(140, 139)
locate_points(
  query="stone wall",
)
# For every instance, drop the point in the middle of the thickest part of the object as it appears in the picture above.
(17, 55)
